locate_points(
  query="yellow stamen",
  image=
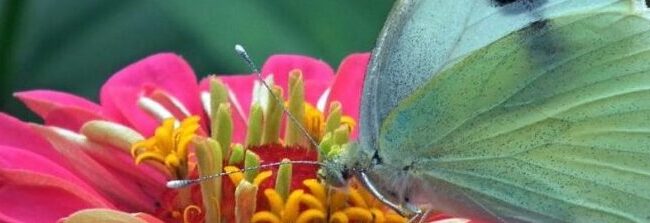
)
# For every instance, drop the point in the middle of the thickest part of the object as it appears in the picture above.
(311, 215)
(395, 218)
(378, 215)
(356, 199)
(149, 156)
(172, 160)
(185, 134)
(312, 202)
(186, 212)
(261, 177)
(315, 188)
(275, 201)
(339, 217)
(349, 121)
(265, 216)
(338, 201)
(314, 121)
(292, 206)
(356, 213)
(235, 177)
(355, 205)
(370, 199)
(169, 144)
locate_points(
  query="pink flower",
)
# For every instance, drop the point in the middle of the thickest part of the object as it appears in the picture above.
(80, 157)
(321, 85)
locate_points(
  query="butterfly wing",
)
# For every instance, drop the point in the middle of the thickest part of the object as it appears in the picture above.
(547, 121)
(420, 38)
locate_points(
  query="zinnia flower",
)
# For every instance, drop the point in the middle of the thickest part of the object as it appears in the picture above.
(154, 123)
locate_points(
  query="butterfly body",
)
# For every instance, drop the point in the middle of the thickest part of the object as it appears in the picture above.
(510, 111)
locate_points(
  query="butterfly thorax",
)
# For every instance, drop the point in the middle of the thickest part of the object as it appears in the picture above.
(339, 168)
(368, 168)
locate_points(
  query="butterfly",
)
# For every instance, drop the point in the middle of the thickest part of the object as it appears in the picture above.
(508, 111)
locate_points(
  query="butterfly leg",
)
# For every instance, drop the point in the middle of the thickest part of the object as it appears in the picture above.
(403, 208)
(420, 216)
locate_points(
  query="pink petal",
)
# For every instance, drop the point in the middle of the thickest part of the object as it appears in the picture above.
(168, 72)
(121, 164)
(35, 197)
(18, 159)
(42, 102)
(71, 118)
(348, 85)
(122, 99)
(239, 127)
(124, 194)
(313, 70)
(14, 133)
(314, 90)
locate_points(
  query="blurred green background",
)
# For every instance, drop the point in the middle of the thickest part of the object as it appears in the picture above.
(74, 46)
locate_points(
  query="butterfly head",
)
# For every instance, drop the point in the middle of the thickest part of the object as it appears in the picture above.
(339, 166)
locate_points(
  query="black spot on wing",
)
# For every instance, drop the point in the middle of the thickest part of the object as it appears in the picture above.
(522, 6)
(503, 2)
(543, 46)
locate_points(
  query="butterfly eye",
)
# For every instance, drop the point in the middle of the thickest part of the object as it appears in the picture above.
(345, 174)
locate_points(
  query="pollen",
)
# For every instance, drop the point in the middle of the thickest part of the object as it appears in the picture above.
(314, 205)
(349, 122)
(169, 145)
(314, 121)
(236, 176)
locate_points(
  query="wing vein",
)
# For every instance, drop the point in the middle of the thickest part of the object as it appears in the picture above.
(584, 204)
(566, 108)
(491, 72)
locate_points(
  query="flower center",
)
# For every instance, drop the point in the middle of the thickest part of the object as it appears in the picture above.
(290, 197)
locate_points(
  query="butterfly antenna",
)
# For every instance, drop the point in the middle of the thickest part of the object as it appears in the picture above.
(242, 52)
(176, 184)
